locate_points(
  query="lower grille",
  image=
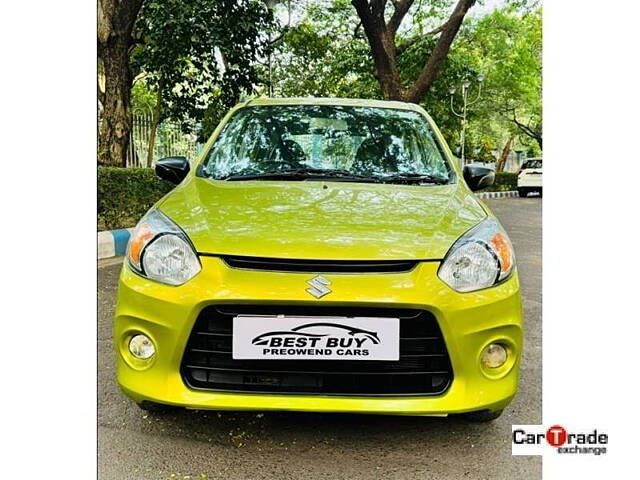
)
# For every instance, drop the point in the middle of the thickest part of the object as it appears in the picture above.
(423, 368)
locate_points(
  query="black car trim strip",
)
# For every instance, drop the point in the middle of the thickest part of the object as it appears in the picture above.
(297, 265)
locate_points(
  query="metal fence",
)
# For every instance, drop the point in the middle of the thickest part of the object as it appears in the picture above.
(170, 141)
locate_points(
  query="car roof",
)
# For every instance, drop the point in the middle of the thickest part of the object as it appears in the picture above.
(349, 102)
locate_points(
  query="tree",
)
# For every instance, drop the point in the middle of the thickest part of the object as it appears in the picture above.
(381, 35)
(321, 56)
(324, 55)
(178, 45)
(116, 19)
(509, 42)
(194, 52)
(504, 45)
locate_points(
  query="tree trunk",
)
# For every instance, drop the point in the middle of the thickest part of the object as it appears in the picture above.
(116, 116)
(115, 26)
(155, 121)
(386, 70)
(383, 49)
(505, 153)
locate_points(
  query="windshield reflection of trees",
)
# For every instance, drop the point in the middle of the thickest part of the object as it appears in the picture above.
(365, 141)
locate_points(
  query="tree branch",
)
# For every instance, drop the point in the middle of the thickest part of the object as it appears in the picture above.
(529, 131)
(377, 8)
(438, 29)
(362, 8)
(401, 9)
(138, 77)
(534, 132)
(355, 30)
(440, 51)
(279, 37)
(400, 49)
(285, 29)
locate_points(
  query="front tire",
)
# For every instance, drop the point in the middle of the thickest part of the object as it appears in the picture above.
(481, 416)
(157, 408)
(522, 192)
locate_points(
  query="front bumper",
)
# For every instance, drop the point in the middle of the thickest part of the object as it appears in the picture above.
(530, 181)
(468, 322)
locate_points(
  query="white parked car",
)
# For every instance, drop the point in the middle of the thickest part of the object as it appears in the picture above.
(530, 177)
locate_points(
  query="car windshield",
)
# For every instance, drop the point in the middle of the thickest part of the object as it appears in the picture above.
(532, 164)
(341, 142)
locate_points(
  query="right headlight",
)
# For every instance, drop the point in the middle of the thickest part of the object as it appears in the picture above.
(160, 250)
(479, 259)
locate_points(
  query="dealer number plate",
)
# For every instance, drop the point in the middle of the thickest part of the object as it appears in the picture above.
(315, 338)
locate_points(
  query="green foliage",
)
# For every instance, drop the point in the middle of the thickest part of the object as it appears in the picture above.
(326, 55)
(125, 194)
(212, 116)
(320, 56)
(505, 46)
(183, 43)
(508, 46)
(437, 101)
(505, 182)
(143, 99)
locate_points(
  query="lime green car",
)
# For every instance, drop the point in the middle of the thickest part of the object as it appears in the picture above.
(321, 255)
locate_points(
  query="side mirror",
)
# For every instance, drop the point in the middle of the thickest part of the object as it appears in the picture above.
(172, 169)
(478, 176)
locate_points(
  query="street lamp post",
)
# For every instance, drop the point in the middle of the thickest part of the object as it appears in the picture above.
(465, 88)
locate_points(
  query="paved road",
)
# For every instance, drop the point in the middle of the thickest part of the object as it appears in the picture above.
(208, 445)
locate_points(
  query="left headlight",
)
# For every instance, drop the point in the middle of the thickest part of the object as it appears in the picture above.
(159, 250)
(479, 259)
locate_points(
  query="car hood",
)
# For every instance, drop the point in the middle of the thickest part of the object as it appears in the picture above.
(322, 220)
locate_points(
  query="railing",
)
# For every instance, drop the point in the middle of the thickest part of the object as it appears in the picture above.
(170, 141)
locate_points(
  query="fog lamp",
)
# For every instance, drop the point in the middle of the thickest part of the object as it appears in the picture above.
(494, 355)
(142, 347)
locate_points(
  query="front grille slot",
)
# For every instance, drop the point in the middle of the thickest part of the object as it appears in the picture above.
(319, 266)
(424, 367)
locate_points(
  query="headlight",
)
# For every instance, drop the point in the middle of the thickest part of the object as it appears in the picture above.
(479, 259)
(160, 250)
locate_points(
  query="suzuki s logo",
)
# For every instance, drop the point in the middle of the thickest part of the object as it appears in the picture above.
(319, 286)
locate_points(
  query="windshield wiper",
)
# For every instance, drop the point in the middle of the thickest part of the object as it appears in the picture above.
(411, 178)
(341, 174)
(302, 174)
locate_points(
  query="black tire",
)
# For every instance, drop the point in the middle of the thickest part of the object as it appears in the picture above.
(481, 416)
(540, 192)
(522, 192)
(159, 408)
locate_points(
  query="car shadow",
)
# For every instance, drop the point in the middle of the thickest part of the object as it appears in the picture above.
(291, 429)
